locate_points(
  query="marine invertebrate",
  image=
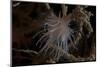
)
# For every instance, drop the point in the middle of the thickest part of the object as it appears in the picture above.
(59, 31)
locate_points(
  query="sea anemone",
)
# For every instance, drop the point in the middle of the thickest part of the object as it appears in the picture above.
(60, 32)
